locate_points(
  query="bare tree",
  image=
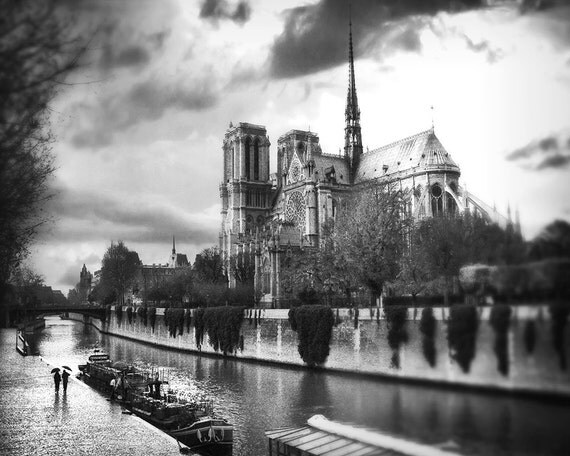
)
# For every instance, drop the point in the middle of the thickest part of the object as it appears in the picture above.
(119, 269)
(37, 50)
(371, 235)
(242, 267)
(24, 276)
(552, 242)
(209, 266)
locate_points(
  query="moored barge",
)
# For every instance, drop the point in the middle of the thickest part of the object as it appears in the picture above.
(190, 420)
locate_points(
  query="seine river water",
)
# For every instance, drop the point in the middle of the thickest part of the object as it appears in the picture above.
(257, 397)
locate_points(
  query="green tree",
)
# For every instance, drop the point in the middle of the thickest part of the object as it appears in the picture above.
(37, 50)
(444, 248)
(209, 266)
(176, 289)
(442, 245)
(311, 275)
(370, 237)
(119, 269)
(242, 267)
(157, 293)
(25, 276)
(73, 296)
(415, 272)
(552, 242)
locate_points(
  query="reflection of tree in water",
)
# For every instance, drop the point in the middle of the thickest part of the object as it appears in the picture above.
(465, 423)
(313, 396)
(504, 428)
(198, 368)
(397, 411)
(431, 416)
(89, 335)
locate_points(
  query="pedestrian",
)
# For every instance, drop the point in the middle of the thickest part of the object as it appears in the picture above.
(120, 387)
(113, 387)
(56, 381)
(157, 383)
(65, 377)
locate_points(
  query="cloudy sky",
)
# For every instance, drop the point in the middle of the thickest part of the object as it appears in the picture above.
(139, 133)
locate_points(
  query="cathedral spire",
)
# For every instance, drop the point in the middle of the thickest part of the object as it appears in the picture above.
(352, 134)
(173, 246)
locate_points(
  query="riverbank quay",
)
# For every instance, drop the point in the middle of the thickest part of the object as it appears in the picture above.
(35, 420)
(525, 356)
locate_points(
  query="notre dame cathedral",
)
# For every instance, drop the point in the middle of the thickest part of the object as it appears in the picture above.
(263, 215)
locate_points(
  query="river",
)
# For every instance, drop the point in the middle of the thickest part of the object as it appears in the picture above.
(256, 397)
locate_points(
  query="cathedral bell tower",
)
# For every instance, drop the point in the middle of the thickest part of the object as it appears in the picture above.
(352, 135)
(246, 188)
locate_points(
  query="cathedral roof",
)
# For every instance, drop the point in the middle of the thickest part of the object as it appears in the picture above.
(181, 260)
(323, 162)
(422, 151)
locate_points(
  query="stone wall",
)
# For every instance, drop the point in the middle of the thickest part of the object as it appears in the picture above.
(365, 349)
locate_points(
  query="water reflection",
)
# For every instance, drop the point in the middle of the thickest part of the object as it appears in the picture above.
(256, 397)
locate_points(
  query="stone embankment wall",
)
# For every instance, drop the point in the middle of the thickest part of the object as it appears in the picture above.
(365, 349)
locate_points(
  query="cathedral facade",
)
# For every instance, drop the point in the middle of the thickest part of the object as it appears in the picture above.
(263, 215)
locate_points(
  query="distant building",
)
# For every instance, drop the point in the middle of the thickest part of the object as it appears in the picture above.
(39, 295)
(85, 285)
(153, 275)
(177, 260)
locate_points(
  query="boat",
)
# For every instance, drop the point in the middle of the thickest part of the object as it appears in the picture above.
(100, 371)
(321, 436)
(189, 419)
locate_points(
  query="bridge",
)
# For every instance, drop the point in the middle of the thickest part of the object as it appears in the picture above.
(20, 314)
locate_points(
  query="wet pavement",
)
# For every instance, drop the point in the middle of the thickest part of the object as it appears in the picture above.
(35, 420)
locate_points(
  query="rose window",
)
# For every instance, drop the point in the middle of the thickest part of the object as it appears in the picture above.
(295, 170)
(295, 209)
(295, 173)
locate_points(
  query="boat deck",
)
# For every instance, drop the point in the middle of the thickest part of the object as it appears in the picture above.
(324, 437)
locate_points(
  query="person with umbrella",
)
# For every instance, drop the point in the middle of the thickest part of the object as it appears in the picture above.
(65, 377)
(56, 378)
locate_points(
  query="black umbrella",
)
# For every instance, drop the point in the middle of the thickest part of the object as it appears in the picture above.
(55, 369)
(67, 368)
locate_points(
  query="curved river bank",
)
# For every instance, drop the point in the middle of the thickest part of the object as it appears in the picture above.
(256, 397)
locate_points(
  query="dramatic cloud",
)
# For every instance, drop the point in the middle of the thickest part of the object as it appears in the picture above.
(221, 9)
(116, 38)
(311, 41)
(549, 152)
(70, 277)
(90, 215)
(146, 100)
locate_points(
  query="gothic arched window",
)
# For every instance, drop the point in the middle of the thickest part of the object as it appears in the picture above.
(436, 200)
(451, 205)
(247, 158)
(256, 159)
(295, 209)
(294, 170)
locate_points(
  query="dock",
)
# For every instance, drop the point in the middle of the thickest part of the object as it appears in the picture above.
(330, 438)
(34, 419)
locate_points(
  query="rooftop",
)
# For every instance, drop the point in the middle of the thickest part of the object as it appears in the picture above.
(422, 150)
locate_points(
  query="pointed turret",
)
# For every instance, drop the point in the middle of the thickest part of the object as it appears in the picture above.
(352, 134)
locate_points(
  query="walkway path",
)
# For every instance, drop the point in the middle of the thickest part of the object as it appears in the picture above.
(34, 420)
